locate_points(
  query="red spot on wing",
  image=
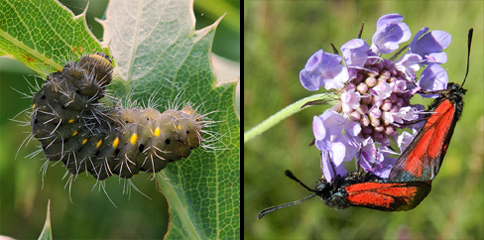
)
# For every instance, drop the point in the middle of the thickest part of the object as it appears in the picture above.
(387, 196)
(421, 160)
(441, 127)
(378, 194)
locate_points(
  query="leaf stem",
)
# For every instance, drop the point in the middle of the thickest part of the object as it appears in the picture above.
(285, 113)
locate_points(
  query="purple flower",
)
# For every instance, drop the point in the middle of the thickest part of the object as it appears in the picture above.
(434, 77)
(355, 52)
(336, 148)
(323, 69)
(405, 139)
(409, 64)
(374, 93)
(430, 45)
(375, 159)
(350, 100)
(390, 33)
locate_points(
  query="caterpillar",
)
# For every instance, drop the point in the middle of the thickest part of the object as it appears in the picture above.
(75, 127)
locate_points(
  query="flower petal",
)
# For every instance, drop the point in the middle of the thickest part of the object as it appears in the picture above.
(430, 45)
(329, 169)
(383, 90)
(339, 152)
(326, 127)
(404, 140)
(350, 100)
(323, 69)
(390, 33)
(392, 18)
(409, 64)
(385, 167)
(433, 78)
(368, 152)
(352, 128)
(355, 52)
(318, 128)
(436, 57)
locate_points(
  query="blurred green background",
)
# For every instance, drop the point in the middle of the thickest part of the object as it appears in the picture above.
(279, 37)
(24, 196)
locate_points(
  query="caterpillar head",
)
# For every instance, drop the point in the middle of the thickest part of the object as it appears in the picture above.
(91, 74)
(99, 65)
(192, 124)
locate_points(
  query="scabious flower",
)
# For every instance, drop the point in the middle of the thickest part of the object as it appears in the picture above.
(374, 95)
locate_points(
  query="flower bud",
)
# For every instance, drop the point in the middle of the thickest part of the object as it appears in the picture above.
(370, 81)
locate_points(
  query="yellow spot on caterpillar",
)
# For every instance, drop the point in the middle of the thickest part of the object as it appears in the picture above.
(98, 145)
(133, 138)
(71, 121)
(157, 131)
(116, 142)
(75, 133)
(178, 127)
(33, 107)
(84, 141)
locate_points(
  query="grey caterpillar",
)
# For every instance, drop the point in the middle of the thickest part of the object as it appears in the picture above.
(74, 127)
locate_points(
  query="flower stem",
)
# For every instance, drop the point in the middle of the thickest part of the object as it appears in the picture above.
(329, 98)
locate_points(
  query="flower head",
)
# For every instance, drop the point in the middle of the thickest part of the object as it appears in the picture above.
(375, 94)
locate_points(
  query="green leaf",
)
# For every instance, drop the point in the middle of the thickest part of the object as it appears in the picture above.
(156, 48)
(46, 233)
(43, 35)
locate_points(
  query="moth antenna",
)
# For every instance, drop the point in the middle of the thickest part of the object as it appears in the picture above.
(277, 207)
(274, 208)
(469, 41)
(291, 176)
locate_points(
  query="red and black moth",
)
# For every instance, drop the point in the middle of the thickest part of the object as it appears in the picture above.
(422, 159)
(411, 177)
(363, 191)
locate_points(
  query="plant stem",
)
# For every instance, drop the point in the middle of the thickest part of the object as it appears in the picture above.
(330, 98)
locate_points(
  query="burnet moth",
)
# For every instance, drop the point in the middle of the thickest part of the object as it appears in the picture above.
(422, 159)
(411, 177)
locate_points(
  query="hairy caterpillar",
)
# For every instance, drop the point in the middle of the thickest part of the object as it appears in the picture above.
(74, 127)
